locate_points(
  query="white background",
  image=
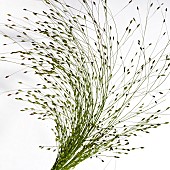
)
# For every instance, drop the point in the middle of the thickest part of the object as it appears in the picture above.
(21, 134)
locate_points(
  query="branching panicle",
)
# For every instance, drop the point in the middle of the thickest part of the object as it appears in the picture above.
(98, 85)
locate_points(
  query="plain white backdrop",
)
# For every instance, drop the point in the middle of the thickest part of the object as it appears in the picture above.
(21, 134)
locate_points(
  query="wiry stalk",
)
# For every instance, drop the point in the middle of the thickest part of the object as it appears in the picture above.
(97, 94)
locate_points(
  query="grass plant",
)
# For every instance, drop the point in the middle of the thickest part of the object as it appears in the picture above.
(99, 85)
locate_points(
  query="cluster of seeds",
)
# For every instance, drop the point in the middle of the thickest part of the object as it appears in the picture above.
(97, 92)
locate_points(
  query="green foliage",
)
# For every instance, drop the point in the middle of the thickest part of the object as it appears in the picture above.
(97, 85)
